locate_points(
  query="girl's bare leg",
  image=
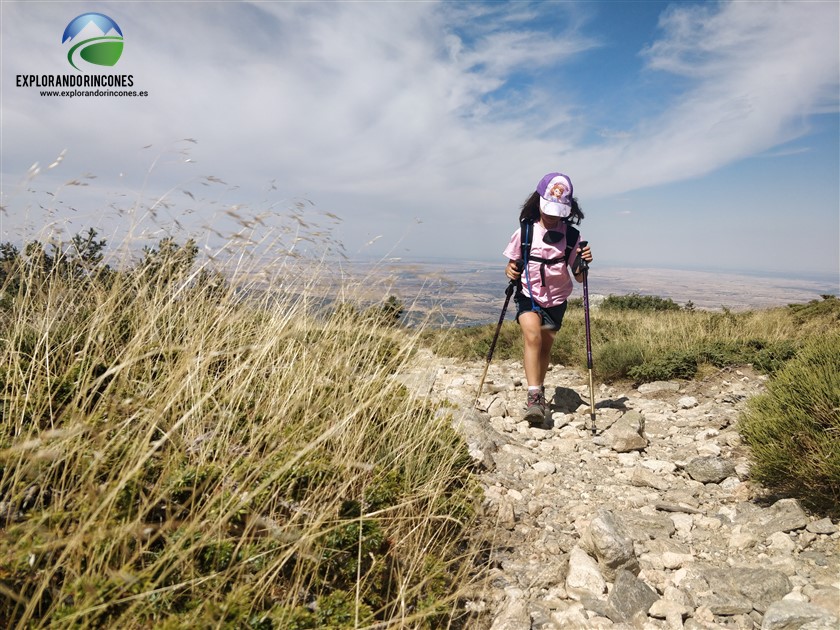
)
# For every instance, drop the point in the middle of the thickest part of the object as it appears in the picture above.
(546, 341)
(532, 336)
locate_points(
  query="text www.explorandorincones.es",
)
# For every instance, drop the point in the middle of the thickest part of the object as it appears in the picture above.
(72, 93)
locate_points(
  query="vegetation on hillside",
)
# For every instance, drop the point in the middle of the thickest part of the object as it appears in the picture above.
(637, 302)
(644, 339)
(179, 449)
(182, 447)
(793, 430)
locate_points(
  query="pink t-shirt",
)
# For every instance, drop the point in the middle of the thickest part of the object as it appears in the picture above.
(558, 279)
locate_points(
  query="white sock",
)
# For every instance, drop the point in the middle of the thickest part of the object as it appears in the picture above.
(534, 388)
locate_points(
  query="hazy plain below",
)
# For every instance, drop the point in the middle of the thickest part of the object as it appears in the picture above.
(471, 292)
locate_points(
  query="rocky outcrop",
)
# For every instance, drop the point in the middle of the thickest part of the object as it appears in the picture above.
(652, 522)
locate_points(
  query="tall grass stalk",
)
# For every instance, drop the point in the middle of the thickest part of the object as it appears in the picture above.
(185, 453)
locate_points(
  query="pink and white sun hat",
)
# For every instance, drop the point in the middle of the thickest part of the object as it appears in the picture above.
(555, 190)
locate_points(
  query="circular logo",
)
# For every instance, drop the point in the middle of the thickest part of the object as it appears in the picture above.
(94, 39)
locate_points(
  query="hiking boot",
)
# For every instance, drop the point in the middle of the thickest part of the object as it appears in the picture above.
(535, 408)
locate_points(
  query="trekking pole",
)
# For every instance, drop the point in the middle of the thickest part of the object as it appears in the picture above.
(508, 292)
(584, 266)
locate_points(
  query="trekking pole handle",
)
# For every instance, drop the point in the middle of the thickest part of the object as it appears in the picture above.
(512, 284)
(583, 265)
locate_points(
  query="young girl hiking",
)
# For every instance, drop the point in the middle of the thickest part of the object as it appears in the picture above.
(547, 224)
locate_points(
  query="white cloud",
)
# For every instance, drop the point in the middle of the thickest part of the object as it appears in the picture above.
(759, 71)
(386, 111)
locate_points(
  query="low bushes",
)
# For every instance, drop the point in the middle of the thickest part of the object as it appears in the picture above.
(637, 302)
(644, 338)
(794, 428)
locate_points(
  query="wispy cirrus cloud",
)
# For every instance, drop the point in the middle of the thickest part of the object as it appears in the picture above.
(757, 73)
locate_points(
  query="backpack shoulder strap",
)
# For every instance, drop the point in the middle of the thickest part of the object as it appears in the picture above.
(526, 235)
(572, 236)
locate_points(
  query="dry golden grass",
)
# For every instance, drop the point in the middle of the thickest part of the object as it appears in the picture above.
(182, 453)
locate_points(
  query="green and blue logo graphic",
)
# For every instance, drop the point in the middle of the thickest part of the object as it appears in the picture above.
(95, 38)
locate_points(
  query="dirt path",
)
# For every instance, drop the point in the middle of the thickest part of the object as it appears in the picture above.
(651, 523)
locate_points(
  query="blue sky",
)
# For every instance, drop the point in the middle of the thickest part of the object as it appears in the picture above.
(697, 135)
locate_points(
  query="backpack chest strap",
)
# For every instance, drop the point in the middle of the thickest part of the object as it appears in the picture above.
(546, 261)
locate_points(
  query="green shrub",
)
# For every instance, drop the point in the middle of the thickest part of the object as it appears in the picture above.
(335, 611)
(794, 428)
(615, 359)
(339, 610)
(637, 302)
(662, 368)
(293, 618)
(765, 356)
(828, 306)
(773, 357)
(387, 313)
(720, 353)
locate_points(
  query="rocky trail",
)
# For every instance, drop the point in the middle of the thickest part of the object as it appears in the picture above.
(651, 523)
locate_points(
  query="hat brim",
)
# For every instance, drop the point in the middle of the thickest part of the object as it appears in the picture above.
(554, 209)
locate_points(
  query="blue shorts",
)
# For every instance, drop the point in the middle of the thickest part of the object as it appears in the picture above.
(552, 316)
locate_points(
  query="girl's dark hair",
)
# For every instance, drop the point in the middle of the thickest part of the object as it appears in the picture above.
(531, 210)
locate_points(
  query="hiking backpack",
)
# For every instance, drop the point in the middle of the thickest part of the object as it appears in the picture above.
(526, 233)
